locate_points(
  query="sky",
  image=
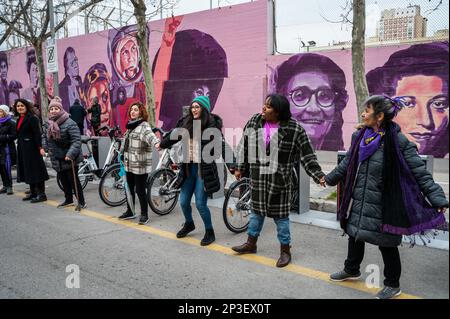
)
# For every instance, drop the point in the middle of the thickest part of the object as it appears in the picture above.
(305, 20)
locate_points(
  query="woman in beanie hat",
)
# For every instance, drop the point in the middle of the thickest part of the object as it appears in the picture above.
(201, 178)
(387, 193)
(30, 165)
(62, 140)
(137, 150)
(7, 148)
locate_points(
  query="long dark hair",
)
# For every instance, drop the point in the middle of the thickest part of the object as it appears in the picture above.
(28, 106)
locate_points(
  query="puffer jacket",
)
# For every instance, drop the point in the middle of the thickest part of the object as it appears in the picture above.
(208, 171)
(365, 220)
(68, 145)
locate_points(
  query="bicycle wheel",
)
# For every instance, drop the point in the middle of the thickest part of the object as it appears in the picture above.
(111, 188)
(160, 196)
(236, 207)
(83, 180)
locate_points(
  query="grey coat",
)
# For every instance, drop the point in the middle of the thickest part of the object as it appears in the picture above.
(365, 220)
(69, 145)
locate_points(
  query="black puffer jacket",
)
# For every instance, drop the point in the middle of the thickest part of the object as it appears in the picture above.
(365, 220)
(7, 138)
(69, 145)
(208, 171)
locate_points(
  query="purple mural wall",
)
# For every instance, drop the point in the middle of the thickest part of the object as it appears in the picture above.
(320, 89)
(222, 53)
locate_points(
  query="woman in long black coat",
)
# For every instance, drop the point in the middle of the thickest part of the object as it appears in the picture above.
(30, 165)
(7, 148)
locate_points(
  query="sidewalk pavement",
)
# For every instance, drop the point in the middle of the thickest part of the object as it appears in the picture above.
(323, 200)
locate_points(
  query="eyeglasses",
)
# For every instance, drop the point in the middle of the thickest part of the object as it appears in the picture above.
(438, 102)
(325, 96)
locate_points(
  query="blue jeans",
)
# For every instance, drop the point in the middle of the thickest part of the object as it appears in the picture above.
(256, 224)
(194, 185)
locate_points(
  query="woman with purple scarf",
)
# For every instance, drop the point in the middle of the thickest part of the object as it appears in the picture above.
(7, 148)
(388, 193)
(61, 138)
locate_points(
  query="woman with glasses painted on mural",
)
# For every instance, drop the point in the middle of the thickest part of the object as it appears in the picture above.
(420, 73)
(97, 90)
(315, 88)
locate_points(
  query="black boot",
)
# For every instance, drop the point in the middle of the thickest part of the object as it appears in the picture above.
(30, 196)
(39, 198)
(187, 228)
(209, 237)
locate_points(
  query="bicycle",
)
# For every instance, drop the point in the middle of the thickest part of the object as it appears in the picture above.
(162, 191)
(237, 204)
(163, 185)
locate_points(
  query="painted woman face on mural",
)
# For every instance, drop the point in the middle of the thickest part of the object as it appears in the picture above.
(425, 116)
(420, 73)
(202, 90)
(3, 70)
(73, 68)
(127, 53)
(312, 104)
(100, 89)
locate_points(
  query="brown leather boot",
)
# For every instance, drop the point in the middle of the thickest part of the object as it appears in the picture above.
(285, 256)
(248, 248)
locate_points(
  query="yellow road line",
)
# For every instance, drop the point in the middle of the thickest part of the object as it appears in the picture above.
(296, 269)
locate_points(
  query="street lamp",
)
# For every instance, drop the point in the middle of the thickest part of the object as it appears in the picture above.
(310, 44)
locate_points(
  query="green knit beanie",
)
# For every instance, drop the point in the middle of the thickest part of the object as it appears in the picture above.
(203, 101)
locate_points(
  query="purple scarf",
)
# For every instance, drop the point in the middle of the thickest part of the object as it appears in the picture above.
(369, 143)
(5, 119)
(54, 122)
(405, 209)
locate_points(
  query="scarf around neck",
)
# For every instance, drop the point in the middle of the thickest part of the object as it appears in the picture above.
(5, 119)
(370, 143)
(406, 211)
(132, 124)
(54, 121)
(270, 129)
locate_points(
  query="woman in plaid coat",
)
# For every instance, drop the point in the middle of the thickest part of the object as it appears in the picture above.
(285, 144)
(137, 153)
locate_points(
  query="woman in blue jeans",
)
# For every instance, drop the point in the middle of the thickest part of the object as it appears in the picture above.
(286, 143)
(200, 174)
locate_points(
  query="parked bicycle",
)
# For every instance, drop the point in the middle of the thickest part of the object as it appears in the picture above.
(164, 183)
(237, 204)
(162, 189)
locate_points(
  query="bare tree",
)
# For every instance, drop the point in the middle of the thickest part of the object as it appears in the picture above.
(358, 22)
(140, 12)
(358, 53)
(36, 22)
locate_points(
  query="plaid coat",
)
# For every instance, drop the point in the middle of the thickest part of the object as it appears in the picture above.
(138, 153)
(272, 190)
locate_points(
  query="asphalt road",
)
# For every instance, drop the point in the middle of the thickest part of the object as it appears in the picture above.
(118, 259)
